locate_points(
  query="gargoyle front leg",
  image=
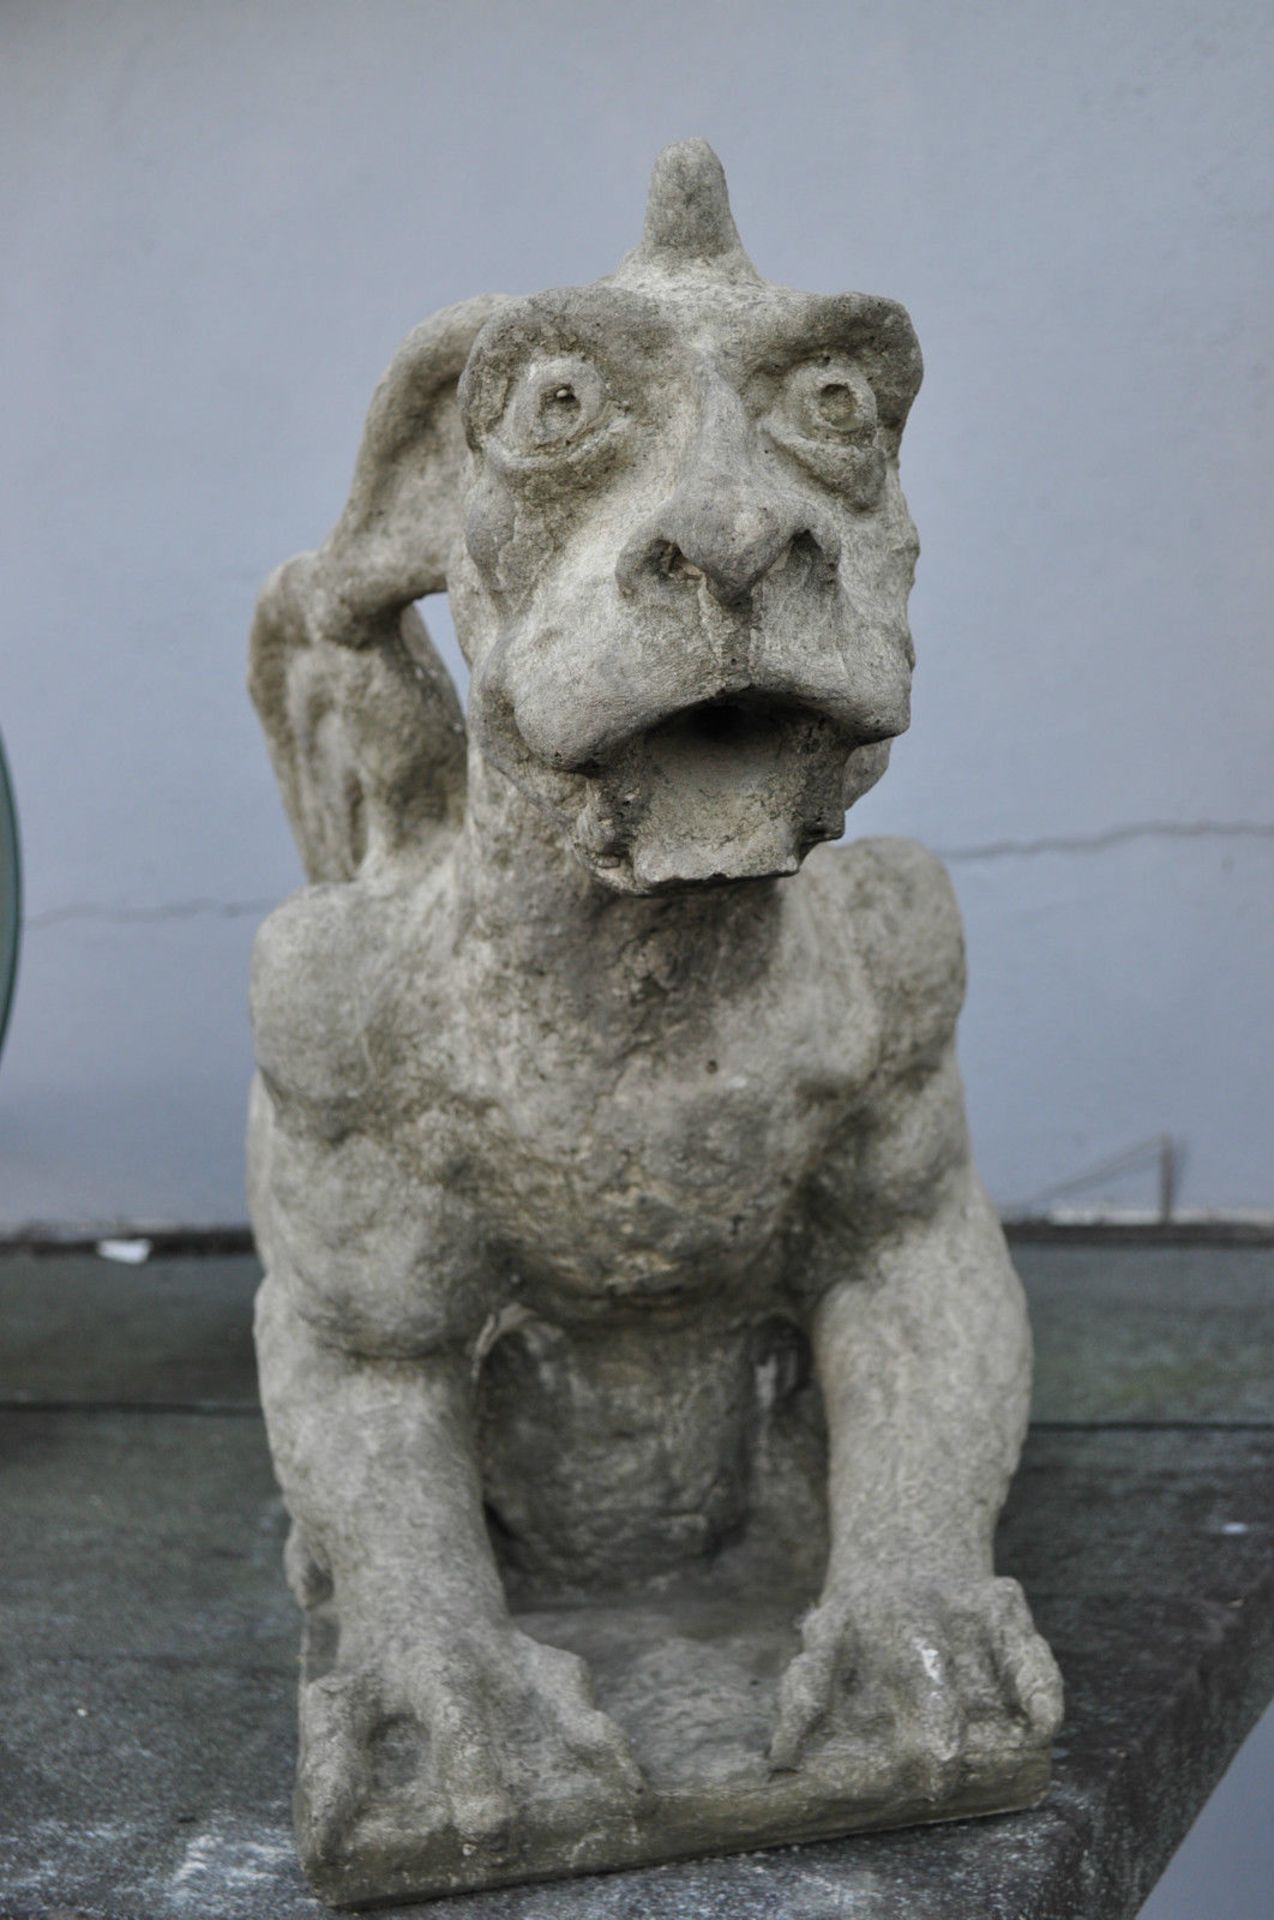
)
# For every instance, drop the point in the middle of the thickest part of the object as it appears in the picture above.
(377, 1461)
(923, 1355)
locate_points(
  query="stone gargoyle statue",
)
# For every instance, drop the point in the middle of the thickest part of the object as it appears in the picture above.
(643, 1365)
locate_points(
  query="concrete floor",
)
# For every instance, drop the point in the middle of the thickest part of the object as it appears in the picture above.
(146, 1748)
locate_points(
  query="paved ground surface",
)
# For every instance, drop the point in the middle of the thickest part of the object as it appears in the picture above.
(146, 1745)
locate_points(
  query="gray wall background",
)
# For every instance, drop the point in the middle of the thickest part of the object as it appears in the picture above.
(219, 219)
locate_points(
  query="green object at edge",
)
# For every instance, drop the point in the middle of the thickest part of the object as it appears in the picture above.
(10, 895)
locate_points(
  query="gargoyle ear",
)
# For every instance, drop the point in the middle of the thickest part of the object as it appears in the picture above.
(393, 541)
(362, 720)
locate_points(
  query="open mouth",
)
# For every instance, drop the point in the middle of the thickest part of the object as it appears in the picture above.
(730, 726)
(734, 788)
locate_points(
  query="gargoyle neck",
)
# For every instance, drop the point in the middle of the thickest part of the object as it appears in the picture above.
(520, 882)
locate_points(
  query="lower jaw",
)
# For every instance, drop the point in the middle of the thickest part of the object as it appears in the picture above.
(683, 850)
(676, 816)
(656, 865)
(668, 816)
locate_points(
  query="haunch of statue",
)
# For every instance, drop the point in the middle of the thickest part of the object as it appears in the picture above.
(643, 1365)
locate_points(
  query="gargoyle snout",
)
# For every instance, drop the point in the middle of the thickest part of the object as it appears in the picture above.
(733, 542)
(728, 521)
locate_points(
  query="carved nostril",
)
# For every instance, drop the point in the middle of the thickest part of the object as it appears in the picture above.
(732, 559)
(820, 555)
(659, 558)
(673, 563)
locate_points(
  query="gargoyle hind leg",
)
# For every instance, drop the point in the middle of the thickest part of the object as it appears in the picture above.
(377, 1464)
(924, 1358)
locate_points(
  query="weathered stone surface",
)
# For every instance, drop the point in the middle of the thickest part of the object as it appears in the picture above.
(643, 1366)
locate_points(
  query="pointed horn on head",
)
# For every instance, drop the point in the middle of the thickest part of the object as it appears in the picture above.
(688, 218)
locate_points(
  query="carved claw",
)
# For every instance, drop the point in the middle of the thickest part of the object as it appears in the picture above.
(934, 1663)
(505, 1712)
(338, 1714)
(1028, 1673)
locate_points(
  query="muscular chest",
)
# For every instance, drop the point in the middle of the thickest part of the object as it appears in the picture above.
(638, 1132)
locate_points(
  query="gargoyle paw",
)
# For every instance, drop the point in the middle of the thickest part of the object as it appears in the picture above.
(486, 1720)
(933, 1662)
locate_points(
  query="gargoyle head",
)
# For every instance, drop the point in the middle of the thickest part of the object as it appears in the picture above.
(666, 508)
(687, 554)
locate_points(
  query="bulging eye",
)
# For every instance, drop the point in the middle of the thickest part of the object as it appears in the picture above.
(838, 406)
(830, 398)
(554, 405)
(824, 416)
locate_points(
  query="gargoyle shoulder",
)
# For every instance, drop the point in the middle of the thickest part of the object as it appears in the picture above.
(310, 998)
(911, 940)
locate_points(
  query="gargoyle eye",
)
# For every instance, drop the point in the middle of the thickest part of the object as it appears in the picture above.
(830, 398)
(559, 410)
(554, 404)
(838, 405)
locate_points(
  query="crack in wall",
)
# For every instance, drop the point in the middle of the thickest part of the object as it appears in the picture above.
(1078, 843)
(1111, 837)
(146, 916)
